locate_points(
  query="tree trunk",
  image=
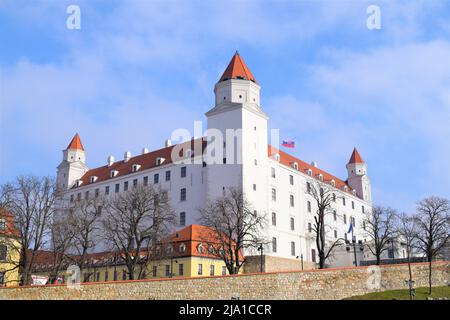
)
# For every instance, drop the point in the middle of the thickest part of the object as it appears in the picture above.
(429, 276)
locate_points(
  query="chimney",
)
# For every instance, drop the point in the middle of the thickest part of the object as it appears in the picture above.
(110, 160)
(144, 151)
(168, 143)
(127, 156)
(314, 164)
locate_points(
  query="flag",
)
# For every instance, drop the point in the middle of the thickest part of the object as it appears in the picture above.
(350, 229)
(288, 143)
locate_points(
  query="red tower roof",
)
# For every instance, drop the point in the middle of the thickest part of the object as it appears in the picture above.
(76, 143)
(355, 158)
(237, 69)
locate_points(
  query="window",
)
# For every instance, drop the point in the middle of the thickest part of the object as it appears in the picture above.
(274, 194)
(97, 276)
(156, 178)
(353, 222)
(353, 204)
(308, 187)
(183, 172)
(106, 276)
(313, 255)
(211, 270)
(86, 194)
(364, 224)
(334, 215)
(107, 190)
(334, 197)
(125, 186)
(291, 200)
(345, 237)
(182, 218)
(200, 248)
(345, 218)
(135, 182)
(309, 227)
(115, 275)
(97, 192)
(272, 172)
(181, 269)
(146, 181)
(167, 270)
(335, 234)
(343, 201)
(167, 175)
(71, 198)
(254, 187)
(292, 248)
(362, 209)
(182, 248)
(224, 270)
(274, 244)
(154, 271)
(224, 160)
(117, 188)
(3, 252)
(200, 269)
(79, 196)
(291, 179)
(2, 278)
(124, 275)
(292, 224)
(308, 206)
(2, 224)
(274, 219)
(135, 167)
(183, 194)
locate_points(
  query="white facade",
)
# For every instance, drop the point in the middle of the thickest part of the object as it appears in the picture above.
(248, 165)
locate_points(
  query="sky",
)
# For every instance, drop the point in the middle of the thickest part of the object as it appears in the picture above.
(136, 70)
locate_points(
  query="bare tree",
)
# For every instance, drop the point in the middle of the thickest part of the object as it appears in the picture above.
(62, 235)
(380, 228)
(234, 226)
(84, 221)
(30, 199)
(432, 219)
(137, 219)
(407, 231)
(323, 196)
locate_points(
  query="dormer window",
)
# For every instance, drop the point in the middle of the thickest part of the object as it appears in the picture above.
(354, 192)
(333, 183)
(136, 167)
(309, 172)
(160, 161)
(92, 179)
(320, 176)
(79, 182)
(182, 248)
(200, 248)
(345, 188)
(169, 250)
(188, 153)
(295, 165)
(113, 173)
(277, 156)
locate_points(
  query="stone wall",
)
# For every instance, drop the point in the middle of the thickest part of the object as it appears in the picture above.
(313, 284)
(275, 264)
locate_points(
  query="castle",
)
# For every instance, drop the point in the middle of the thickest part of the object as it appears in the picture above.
(274, 181)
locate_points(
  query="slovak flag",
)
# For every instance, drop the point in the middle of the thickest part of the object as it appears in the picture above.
(350, 229)
(288, 143)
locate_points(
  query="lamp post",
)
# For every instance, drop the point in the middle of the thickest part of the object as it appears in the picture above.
(301, 259)
(260, 248)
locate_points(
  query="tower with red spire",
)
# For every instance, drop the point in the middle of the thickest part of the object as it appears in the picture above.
(73, 165)
(357, 176)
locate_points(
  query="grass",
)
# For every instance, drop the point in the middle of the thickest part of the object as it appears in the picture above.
(421, 294)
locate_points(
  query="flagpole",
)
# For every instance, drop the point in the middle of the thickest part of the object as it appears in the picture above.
(354, 247)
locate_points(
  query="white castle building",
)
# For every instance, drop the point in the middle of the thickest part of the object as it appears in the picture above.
(272, 180)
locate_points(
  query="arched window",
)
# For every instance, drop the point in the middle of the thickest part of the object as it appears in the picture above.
(182, 248)
(200, 248)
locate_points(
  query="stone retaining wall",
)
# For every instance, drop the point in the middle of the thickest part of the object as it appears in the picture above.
(313, 284)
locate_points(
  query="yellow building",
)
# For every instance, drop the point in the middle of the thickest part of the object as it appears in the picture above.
(183, 254)
(9, 250)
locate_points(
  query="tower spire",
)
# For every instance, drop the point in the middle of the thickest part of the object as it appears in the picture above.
(75, 144)
(356, 157)
(237, 69)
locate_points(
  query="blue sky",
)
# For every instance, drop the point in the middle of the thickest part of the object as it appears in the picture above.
(139, 69)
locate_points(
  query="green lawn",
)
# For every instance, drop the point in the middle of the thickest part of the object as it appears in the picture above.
(421, 294)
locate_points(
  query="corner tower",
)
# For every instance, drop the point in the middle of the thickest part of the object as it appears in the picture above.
(237, 114)
(73, 165)
(357, 176)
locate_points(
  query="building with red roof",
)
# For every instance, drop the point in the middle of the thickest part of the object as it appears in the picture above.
(275, 182)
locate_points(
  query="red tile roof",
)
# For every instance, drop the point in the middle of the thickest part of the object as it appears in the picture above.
(237, 69)
(146, 161)
(10, 227)
(288, 160)
(75, 143)
(355, 158)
